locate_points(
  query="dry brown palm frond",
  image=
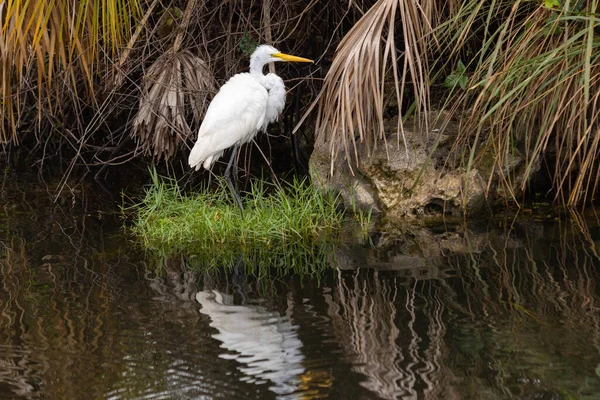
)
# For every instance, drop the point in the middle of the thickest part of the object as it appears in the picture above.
(174, 85)
(351, 103)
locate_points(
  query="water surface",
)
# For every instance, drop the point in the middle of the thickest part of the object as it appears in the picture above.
(504, 309)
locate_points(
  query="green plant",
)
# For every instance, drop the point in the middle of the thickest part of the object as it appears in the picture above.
(535, 91)
(273, 216)
(458, 77)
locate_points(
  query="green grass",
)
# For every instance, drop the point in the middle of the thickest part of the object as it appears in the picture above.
(208, 222)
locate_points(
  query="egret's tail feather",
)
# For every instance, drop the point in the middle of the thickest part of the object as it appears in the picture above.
(200, 156)
(195, 159)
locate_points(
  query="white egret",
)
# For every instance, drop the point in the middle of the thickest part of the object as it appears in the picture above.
(245, 105)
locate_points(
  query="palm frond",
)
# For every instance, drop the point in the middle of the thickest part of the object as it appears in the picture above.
(365, 69)
(42, 39)
(176, 84)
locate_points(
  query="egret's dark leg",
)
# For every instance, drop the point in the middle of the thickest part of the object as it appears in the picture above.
(210, 175)
(236, 179)
(227, 175)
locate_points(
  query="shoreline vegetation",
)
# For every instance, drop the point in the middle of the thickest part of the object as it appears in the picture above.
(130, 81)
(168, 220)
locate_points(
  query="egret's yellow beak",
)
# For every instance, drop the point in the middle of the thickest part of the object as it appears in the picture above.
(287, 57)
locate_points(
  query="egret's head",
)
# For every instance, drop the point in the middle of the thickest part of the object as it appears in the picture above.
(265, 54)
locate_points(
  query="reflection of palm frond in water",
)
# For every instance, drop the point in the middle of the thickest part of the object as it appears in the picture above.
(550, 272)
(17, 379)
(37, 321)
(57, 291)
(369, 318)
(531, 281)
(544, 286)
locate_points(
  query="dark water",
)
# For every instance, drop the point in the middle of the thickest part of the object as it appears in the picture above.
(505, 309)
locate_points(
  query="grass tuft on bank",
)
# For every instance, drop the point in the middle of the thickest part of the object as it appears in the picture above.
(297, 212)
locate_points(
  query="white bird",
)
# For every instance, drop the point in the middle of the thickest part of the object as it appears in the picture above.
(245, 105)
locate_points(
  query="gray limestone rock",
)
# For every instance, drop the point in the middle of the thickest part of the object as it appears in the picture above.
(408, 179)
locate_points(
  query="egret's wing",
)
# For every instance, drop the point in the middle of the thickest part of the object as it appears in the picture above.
(237, 110)
(234, 116)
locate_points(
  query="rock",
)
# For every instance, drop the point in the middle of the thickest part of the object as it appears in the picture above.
(403, 180)
(355, 188)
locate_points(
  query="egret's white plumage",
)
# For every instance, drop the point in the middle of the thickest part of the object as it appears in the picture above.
(245, 105)
(235, 115)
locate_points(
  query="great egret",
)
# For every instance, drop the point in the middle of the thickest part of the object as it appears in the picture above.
(246, 104)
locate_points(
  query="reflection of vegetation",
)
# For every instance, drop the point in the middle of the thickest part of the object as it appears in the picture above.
(53, 322)
(299, 258)
(515, 308)
(67, 274)
(298, 212)
(266, 265)
(531, 310)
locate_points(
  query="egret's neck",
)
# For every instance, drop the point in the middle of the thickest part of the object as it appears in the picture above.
(256, 69)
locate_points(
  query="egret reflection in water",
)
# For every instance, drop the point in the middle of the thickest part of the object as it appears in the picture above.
(264, 342)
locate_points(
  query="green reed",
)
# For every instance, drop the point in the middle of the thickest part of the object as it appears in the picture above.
(273, 216)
